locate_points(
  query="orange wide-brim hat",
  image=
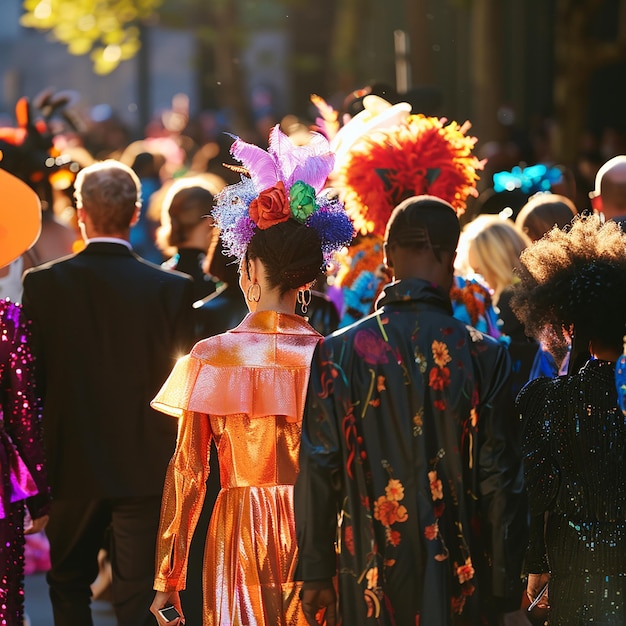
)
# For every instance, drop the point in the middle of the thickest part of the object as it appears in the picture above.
(20, 217)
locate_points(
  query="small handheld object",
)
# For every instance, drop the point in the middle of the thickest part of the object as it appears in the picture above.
(540, 595)
(169, 613)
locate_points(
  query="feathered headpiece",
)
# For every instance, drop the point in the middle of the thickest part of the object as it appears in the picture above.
(422, 155)
(284, 182)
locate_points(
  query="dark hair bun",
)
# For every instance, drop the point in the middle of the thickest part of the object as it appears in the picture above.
(291, 253)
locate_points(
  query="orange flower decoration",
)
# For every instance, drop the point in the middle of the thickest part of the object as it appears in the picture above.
(394, 490)
(270, 207)
(436, 487)
(441, 355)
(431, 531)
(466, 571)
(388, 512)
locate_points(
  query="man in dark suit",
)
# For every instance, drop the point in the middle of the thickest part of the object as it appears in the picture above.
(107, 329)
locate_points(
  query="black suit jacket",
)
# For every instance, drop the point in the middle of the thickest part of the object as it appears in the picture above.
(107, 329)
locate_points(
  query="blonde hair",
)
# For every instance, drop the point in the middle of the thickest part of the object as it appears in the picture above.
(184, 203)
(496, 244)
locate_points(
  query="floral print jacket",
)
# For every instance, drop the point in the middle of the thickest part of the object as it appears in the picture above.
(406, 442)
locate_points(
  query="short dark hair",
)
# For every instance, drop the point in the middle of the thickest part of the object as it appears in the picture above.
(424, 222)
(291, 253)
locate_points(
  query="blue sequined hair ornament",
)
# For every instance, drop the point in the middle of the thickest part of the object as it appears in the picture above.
(529, 180)
(293, 179)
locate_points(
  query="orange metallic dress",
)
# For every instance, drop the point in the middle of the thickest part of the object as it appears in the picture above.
(245, 389)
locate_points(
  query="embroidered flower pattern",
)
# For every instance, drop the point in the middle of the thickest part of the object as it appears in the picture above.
(348, 539)
(372, 578)
(470, 430)
(434, 361)
(441, 356)
(418, 422)
(436, 488)
(388, 511)
(439, 376)
(465, 571)
(432, 531)
(394, 490)
(371, 347)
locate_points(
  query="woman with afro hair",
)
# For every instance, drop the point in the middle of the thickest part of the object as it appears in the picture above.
(573, 287)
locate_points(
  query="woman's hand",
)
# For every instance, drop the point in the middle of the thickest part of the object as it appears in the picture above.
(319, 602)
(163, 599)
(536, 583)
(36, 525)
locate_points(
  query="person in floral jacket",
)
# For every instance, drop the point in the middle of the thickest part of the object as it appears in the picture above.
(410, 503)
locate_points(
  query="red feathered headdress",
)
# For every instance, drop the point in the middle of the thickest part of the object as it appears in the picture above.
(423, 155)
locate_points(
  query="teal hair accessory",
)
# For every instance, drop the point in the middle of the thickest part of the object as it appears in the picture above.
(529, 180)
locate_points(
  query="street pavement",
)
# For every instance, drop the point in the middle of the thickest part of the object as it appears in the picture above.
(39, 610)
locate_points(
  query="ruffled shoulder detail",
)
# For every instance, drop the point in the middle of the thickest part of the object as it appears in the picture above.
(213, 381)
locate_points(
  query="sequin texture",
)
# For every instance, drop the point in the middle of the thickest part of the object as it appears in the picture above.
(575, 463)
(21, 457)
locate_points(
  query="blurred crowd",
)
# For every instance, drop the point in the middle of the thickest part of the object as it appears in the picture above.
(508, 194)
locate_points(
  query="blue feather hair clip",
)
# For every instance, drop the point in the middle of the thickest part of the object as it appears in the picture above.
(530, 180)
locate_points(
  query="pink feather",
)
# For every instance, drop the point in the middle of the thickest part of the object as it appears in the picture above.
(258, 162)
(311, 163)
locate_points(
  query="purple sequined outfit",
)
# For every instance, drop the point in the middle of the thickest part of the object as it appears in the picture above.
(21, 458)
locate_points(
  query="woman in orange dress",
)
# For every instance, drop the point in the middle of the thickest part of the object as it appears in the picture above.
(246, 388)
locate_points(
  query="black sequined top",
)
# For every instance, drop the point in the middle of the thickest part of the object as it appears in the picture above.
(574, 444)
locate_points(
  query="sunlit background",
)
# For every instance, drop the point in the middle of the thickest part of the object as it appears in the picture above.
(549, 74)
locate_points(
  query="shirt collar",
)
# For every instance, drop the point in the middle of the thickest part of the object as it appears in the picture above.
(415, 289)
(109, 240)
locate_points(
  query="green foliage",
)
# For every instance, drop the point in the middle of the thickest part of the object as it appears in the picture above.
(106, 29)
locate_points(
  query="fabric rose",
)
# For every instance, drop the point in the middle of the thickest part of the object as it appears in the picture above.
(301, 201)
(270, 207)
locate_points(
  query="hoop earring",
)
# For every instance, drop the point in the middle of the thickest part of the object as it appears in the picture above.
(254, 292)
(304, 299)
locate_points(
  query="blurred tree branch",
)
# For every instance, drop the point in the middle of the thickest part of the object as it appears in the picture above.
(107, 30)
